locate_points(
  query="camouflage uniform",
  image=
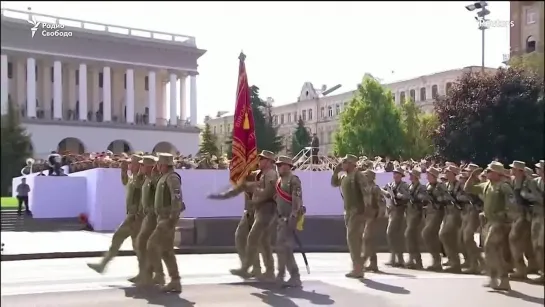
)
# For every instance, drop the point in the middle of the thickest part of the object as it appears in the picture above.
(396, 217)
(538, 222)
(371, 213)
(414, 221)
(452, 221)
(433, 216)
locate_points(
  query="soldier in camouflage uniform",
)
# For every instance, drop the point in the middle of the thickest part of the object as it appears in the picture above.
(452, 221)
(434, 212)
(414, 219)
(497, 196)
(130, 227)
(245, 225)
(149, 222)
(538, 221)
(263, 193)
(520, 242)
(289, 201)
(372, 211)
(168, 205)
(400, 196)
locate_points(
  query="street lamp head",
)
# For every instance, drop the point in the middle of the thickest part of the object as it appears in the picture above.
(470, 7)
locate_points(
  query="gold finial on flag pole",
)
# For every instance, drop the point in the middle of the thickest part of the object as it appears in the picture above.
(242, 56)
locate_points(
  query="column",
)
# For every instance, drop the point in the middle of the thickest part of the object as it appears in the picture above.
(95, 92)
(72, 93)
(193, 100)
(44, 96)
(129, 96)
(82, 92)
(183, 95)
(31, 87)
(107, 94)
(5, 87)
(173, 95)
(57, 90)
(152, 98)
(20, 83)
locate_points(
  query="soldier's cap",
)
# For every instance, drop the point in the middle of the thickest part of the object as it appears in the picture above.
(518, 165)
(528, 171)
(265, 154)
(540, 164)
(448, 163)
(453, 169)
(471, 166)
(496, 167)
(284, 160)
(350, 159)
(165, 159)
(399, 171)
(370, 174)
(148, 160)
(134, 158)
(434, 172)
(364, 158)
(415, 172)
(464, 174)
(378, 158)
(535, 175)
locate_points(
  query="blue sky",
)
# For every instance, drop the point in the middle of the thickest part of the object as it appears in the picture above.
(289, 43)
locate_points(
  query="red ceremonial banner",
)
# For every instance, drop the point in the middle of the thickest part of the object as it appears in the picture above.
(244, 146)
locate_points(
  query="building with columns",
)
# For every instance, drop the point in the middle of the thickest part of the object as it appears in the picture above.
(99, 87)
(321, 113)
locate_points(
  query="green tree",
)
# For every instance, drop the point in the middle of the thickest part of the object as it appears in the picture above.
(492, 116)
(532, 62)
(208, 142)
(301, 138)
(16, 147)
(266, 134)
(417, 128)
(429, 123)
(371, 125)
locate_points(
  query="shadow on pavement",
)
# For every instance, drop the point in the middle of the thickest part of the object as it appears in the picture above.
(275, 296)
(373, 284)
(394, 274)
(155, 297)
(522, 296)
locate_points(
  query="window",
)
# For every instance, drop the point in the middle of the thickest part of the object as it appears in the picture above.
(531, 16)
(146, 83)
(530, 44)
(309, 114)
(281, 119)
(295, 116)
(447, 87)
(10, 70)
(52, 74)
(228, 128)
(337, 109)
(36, 72)
(322, 112)
(77, 76)
(423, 94)
(214, 129)
(402, 97)
(221, 129)
(275, 120)
(304, 113)
(125, 81)
(434, 91)
(100, 80)
(412, 94)
(289, 117)
(330, 111)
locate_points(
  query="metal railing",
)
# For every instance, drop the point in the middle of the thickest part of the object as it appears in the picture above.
(304, 161)
(100, 27)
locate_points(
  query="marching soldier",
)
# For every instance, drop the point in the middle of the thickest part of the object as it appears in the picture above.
(263, 193)
(434, 212)
(372, 211)
(497, 196)
(538, 221)
(245, 225)
(471, 207)
(414, 219)
(452, 221)
(289, 204)
(398, 191)
(520, 242)
(130, 227)
(149, 222)
(353, 187)
(168, 205)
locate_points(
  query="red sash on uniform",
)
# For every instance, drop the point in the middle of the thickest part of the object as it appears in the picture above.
(282, 194)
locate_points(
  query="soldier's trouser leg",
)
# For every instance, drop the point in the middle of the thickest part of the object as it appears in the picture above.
(285, 243)
(148, 226)
(161, 246)
(125, 230)
(355, 226)
(517, 245)
(529, 254)
(262, 223)
(537, 240)
(412, 232)
(369, 252)
(430, 235)
(461, 245)
(494, 245)
(468, 236)
(448, 234)
(394, 233)
(241, 239)
(266, 250)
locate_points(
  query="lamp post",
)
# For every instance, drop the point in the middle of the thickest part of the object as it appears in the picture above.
(481, 19)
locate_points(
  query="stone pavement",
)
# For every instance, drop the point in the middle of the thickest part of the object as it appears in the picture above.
(207, 283)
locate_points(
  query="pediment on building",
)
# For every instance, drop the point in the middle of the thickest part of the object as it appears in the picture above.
(307, 92)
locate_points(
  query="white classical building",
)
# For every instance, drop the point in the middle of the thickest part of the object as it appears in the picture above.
(87, 87)
(320, 113)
